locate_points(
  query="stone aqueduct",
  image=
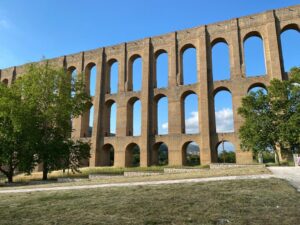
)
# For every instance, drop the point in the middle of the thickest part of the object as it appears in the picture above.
(267, 25)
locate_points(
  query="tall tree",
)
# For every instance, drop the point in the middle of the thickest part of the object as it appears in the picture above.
(271, 120)
(16, 146)
(57, 99)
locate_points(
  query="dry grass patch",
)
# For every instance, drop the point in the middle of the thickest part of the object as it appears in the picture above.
(239, 202)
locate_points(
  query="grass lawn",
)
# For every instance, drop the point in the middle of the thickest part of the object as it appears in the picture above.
(265, 202)
(234, 171)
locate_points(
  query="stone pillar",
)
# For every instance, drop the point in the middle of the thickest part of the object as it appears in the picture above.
(272, 49)
(175, 121)
(145, 104)
(236, 58)
(121, 104)
(97, 135)
(203, 99)
(175, 109)
(242, 157)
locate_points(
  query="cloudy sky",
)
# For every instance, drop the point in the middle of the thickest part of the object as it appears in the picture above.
(34, 29)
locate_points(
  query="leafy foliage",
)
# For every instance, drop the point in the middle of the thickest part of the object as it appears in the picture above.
(226, 157)
(36, 115)
(272, 120)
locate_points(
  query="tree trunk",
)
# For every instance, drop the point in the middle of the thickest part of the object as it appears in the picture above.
(10, 177)
(9, 174)
(277, 156)
(45, 171)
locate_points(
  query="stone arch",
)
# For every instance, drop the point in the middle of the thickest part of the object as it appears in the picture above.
(291, 26)
(254, 54)
(221, 88)
(130, 130)
(256, 85)
(135, 73)
(71, 69)
(218, 40)
(160, 114)
(220, 59)
(223, 106)
(188, 64)
(5, 82)
(252, 34)
(110, 118)
(87, 119)
(289, 42)
(112, 76)
(161, 69)
(226, 152)
(189, 112)
(132, 155)
(108, 154)
(160, 154)
(190, 154)
(90, 78)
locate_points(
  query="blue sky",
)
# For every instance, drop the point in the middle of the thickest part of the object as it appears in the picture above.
(33, 29)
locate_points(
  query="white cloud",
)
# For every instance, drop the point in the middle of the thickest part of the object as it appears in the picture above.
(164, 126)
(192, 124)
(4, 24)
(224, 120)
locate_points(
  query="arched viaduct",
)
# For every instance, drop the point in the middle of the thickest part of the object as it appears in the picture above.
(268, 26)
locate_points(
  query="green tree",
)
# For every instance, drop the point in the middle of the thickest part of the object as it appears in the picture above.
(57, 99)
(16, 146)
(271, 120)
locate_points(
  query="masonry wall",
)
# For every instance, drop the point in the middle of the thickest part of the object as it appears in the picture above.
(268, 25)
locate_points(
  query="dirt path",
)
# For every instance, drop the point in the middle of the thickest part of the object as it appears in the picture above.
(194, 180)
(291, 174)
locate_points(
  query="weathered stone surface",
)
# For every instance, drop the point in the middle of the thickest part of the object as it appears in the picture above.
(268, 24)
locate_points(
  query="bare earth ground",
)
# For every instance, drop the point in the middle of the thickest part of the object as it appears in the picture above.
(144, 183)
(204, 173)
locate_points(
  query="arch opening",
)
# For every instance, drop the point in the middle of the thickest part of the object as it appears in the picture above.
(112, 76)
(90, 78)
(226, 152)
(223, 112)
(132, 155)
(161, 75)
(161, 116)
(220, 61)
(189, 113)
(110, 120)
(109, 155)
(190, 154)
(160, 154)
(134, 119)
(189, 65)
(72, 72)
(290, 48)
(5, 82)
(256, 88)
(137, 72)
(254, 56)
(89, 125)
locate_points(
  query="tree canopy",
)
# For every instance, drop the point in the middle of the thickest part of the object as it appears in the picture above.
(272, 119)
(37, 112)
